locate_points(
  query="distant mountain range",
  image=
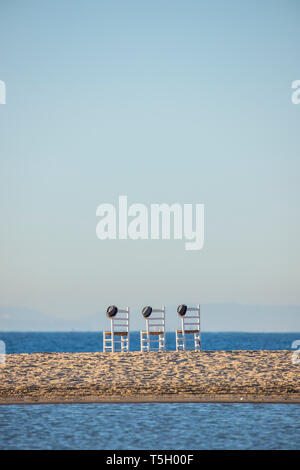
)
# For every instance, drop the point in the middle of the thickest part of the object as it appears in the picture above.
(214, 317)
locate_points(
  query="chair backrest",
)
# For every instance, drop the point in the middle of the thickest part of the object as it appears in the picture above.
(190, 317)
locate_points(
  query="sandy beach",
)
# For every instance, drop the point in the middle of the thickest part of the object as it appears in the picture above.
(249, 376)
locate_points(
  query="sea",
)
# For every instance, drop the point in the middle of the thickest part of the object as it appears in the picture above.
(148, 426)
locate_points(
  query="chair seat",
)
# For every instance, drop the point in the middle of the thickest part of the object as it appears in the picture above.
(116, 333)
(188, 331)
(153, 333)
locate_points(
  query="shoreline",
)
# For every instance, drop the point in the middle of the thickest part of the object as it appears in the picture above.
(163, 399)
(152, 377)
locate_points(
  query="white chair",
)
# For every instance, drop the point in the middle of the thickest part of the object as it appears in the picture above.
(154, 338)
(189, 337)
(117, 339)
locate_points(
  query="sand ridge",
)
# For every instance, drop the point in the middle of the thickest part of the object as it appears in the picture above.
(150, 376)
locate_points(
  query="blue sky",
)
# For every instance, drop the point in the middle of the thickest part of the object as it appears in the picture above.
(165, 101)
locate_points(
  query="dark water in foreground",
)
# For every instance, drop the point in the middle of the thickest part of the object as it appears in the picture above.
(19, 342)
(150, 426)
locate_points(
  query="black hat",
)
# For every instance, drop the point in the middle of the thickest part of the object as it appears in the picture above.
(182, 310)
(111, 311)
(147, 311)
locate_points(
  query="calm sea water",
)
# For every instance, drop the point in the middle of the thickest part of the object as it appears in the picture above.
(148, 425)
(19, 342)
